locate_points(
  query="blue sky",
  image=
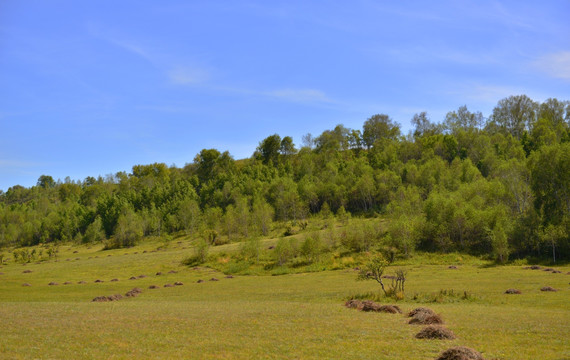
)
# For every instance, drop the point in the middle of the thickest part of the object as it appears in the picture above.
(91, 88)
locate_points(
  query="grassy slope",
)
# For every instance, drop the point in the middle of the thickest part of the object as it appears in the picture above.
(283, 317)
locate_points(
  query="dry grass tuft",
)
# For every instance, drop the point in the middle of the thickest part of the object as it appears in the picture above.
(435, 332)
(460, 353)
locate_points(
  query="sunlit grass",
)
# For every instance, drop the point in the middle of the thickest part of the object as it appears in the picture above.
(278, 317)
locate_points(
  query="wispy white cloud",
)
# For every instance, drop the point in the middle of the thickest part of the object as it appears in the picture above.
(175, 69)
(556, 65)
(186, 75)
(300, 95)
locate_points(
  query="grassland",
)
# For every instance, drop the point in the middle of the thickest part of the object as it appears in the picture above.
(293, 316)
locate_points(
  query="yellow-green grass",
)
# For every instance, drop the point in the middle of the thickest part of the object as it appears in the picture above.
(298, 316)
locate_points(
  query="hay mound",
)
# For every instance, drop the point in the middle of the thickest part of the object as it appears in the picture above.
(115, 297)
(512, 291)
(26, 271)
(424, 316)
(168, 285)
(134, 292)
(556, 272)
(67, 283)
(548, 288)
(158, 273)
(114, 280)
(548, 269)
(353, 304)
(200, 281)
(426, 319)
(98, 281)
(153, 287)
(420, 310)
(391, 309)
(178, 283)
(53, 283)
(368, 306)
(460, 353)
(453, 267)
(26, 284)
(535, 267)
(214, 279)
(132, 278)
(435, 332)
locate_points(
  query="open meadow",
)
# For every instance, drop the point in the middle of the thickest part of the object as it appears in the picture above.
(292, 316)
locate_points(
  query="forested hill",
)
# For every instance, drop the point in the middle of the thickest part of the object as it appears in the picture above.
(497, 186)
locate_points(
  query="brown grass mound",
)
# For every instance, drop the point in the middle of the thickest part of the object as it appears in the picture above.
(391, 309)
(535, 267)
(460, 353)
(453, 267)
(153, 287)
(26, 284)
(115, 297)
(426, 319)
(168, 285)
(353, 304)
(229, 276)
(548, 288)
(134, 292)
(512, 291)
(548, 269)
(178, 283)
(214, 279)
(26, 271)
(82, 282)
(99, 281)
(114, 280)
(132, 278)
(158, 273)
(435, 332)
(200, 281)
(368, 306)
(53, 283)
(556, 272)
(420, 310)
(67, 283)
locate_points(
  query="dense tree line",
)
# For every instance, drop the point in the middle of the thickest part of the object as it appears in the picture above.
(497, 186)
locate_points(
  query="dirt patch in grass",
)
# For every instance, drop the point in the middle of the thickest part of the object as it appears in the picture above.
(435, 332)
(98, 281)
(158, 273)
(132, 278)
(452, 267)
(26, 271)
(460, 353)
(214, 279)
(53, 283)
(114, 280)
(513, 291)
(200, 281)
(178, 283)
(153, 287)
(548, 288)
(67, 283)
(26, 284)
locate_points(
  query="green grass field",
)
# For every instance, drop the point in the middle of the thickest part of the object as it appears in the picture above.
(294, 316)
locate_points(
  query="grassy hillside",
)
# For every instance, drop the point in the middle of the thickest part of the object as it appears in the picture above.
(276, 317)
